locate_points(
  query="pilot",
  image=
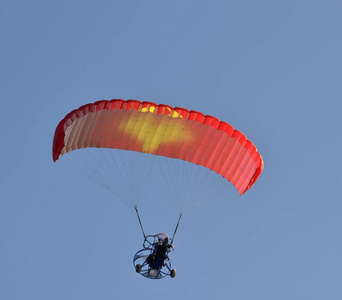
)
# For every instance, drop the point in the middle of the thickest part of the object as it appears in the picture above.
(161, 248)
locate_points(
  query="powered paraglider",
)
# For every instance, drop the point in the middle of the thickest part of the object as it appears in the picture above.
(118, 142)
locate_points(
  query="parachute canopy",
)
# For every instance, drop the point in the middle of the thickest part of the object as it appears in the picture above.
(164, 131)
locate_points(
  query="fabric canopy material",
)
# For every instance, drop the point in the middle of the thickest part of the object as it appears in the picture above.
(161, 130)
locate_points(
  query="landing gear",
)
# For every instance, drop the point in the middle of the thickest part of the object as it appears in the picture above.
(173, 273)
(138, 268)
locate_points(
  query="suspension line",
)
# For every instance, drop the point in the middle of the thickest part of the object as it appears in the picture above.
(136, 209)
(176, 228)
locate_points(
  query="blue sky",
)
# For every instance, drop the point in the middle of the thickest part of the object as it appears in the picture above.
(272, 69)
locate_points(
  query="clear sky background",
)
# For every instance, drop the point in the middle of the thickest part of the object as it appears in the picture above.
(272, 69)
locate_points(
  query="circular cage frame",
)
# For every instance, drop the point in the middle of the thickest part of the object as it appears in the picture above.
(140, 258)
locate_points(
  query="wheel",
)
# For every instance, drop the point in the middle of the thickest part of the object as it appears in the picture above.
(173, 273)
(138, 268)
